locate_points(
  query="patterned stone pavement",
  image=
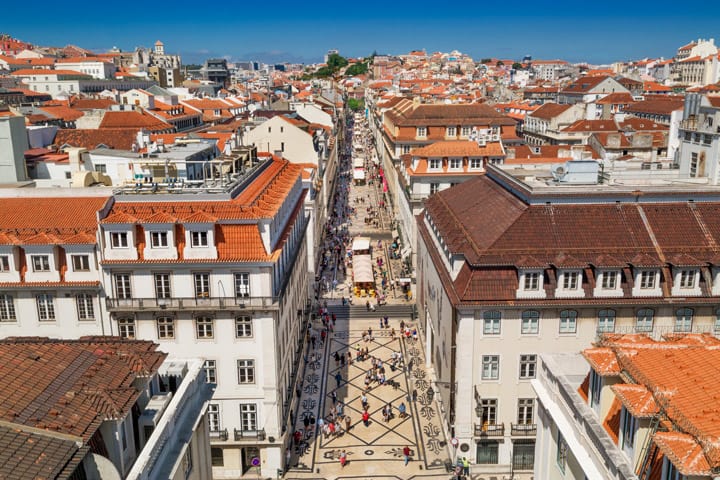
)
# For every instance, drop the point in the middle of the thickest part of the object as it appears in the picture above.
(376, 449)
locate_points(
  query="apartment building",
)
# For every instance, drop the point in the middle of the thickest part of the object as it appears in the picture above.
(525, 261)
(629, 408)
(102, 408)
(699, 136)
(590, 88)
(545, 125)
(213, 273)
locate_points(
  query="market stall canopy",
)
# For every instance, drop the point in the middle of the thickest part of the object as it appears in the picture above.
(361, 243)
(362, 269)
(359, 174)
(359, 162)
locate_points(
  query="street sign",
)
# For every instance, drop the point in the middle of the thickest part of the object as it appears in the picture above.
(454, 442)
(255, 462)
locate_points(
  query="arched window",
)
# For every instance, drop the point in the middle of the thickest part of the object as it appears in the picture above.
(683, 319)
(606, 321)
(568, 321)
(644, 320)
(530, 322)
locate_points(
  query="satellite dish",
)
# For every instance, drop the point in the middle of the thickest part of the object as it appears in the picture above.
(560, 170)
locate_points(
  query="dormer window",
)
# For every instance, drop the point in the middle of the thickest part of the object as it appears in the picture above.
(455, 163)
(609, 280)
(40, 263)
(421, 132)
(475, 164)
(465, 131)
(570, 280)
(451, 132)
(647, 279)
(531, 281)
(434, 164)
(199, 239)
(118, 239)
(158, 239)
(4, 263)
(687, 278)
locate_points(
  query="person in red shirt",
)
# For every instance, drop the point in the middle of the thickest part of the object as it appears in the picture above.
(406, 454)
(366, 418)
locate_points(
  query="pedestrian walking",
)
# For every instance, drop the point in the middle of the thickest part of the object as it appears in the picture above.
(338, 379)
(401, 409)
(333, 396)
(406, 454)
(348, 422)
(366, 418)
(288, 458)
(466, 466)
(364, 401)
(343, 459)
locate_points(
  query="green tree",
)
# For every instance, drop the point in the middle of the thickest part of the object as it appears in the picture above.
(517, 66)
(486, 60)
(355, 105)
(356, 69)
(499, 63)
(335, 62)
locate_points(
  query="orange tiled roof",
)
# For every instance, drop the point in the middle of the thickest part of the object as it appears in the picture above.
(602, 360)
(458, 148)
(96, 384)
(135, 120)
(637, 399)
(684, 452)
(58, 220)
(29, 72)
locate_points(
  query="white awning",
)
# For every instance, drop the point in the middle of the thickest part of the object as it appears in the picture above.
(359, 174)
(361, 243)
(362, 269)
(359, 162)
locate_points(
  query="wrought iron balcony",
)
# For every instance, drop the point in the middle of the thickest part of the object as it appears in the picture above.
(489, 429)
(258, 435)
(219, 434)
(523, 429)
(191, 303)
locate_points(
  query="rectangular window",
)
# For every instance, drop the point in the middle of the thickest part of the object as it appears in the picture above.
(204, 327)
(644, 320)
(451, 131)
(629, 427)
(562, 452)
(490, 367)
(162, 285)
(246, 371)
(248, 417)
(126, 327)
(85, 308)
(455, 163)
(166, 328)
(80, 263)
(687, 279)
(693, 164)
(210, 367)
(243, 327)
(491, 322)
(100, 168)
(158, 239)
(434, 164)
(528, 366)
(242, 285)
(475, 163)
(465, 131)
(525, 411)
(683, 320)
(568, 321)
(421, 132)
(434, 188)
(213, 417)
(4, 263)
(570, 280)
(7, 308)
(202, 285)
(216, 457)
(608, 280)
(606, 321)
(523, 455)
(40, 263)
(530, 323)
(46, 307)
(647, 279)
(531, 281)
(488, 413)
(487, 453)
(405, 149)
(118, 239)
(199, 239)
(122, 286)
(595, 388)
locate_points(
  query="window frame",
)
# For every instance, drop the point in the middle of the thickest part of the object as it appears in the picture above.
(85, 304)
(127, 328)
(213, 417)
(531, 281)
(451, 131)
(490, 367)
(241, 282)
(526, 409)
(45, 303)
(602, 317)
(687, 279)
(644, 314)
(435, 164)
(528, 318)
(455, 163)
(82, 260)
(488, 411)
(119, 240)
(40, 263)
(199, 239)
(647, 280)
(4, 263)
(204, 328)
(562, 452)
(165, 327)
(123, 286)
(244, 326)
(210, 367)
(571, 280)
(475, 164)
(528, 366)
(159, 239)
(201, 282)
(421, 132)
(565, 317)
(684, 320)
(163, 285)
(247, 366)
(248, 417)
(7, 308)
(434, 188)
(491, 318)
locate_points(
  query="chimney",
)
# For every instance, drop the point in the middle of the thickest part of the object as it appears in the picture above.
(76, 158)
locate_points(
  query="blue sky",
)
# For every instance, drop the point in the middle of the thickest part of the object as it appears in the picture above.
(304, 31)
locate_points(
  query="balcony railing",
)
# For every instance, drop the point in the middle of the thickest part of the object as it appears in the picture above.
(523, 429)
(219, 434)
(201, 303)
(258, 435)
(489, 430)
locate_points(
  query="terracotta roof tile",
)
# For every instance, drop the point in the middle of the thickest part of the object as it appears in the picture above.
(135, 120)
(458, 148)
(549, 110)
(684, 452)
(602, 360)
(637, 399)
(118, 138)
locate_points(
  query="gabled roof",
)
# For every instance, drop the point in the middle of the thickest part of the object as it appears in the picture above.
(549, 110)
(135, 120)
(443, 114)
(118, 138)
(458, 148)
